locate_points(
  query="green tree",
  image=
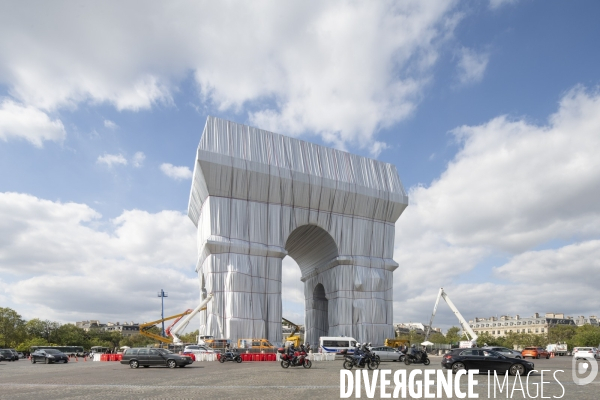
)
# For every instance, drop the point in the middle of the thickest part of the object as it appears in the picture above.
(561, 333)
(190, 337)
(12, 327)
(452, 335)
(136, 340)
(26, 345)
(70, 335)
(437, 337)
(586, 335)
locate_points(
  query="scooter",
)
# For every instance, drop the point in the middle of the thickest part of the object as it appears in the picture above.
(419, 357)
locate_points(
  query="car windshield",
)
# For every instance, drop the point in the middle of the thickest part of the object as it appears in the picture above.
(164, 351)
(52, 351)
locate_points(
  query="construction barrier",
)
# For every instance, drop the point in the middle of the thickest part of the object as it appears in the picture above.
(321, 357)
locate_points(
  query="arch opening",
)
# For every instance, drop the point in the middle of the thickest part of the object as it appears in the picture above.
(312, 247)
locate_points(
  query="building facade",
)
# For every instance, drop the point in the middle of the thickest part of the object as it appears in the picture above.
(536, 324)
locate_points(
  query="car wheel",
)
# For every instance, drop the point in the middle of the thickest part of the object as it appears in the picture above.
(516, 369)
(537, 356)
(285, 364)
(46, 361)
(457, 367)
(66, 361)
(32, 360)
(348, 365)
(238, 359)
(171, 364)
(406, 361)
(401, 358)
(307, 364)
(134, 364)
(427, 362)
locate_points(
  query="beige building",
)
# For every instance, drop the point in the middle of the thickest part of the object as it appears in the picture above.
(536, 324)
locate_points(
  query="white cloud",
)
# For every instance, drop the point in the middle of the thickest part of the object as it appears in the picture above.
(471, 65)
(138, 159)
(495, 4)
(29, 123)
(177, 173)
(512, 187)
(111, 159)
(69, 264)
(110, 125)
(291, 61)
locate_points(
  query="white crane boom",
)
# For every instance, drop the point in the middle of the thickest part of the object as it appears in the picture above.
(464, 324)
(185, 321)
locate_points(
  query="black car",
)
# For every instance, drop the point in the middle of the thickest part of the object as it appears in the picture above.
(154, 357)
(484, 360)
(8, 355)
(15, 354)
(48, 356)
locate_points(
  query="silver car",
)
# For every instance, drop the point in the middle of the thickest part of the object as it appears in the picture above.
(504, 351)
(386, 353)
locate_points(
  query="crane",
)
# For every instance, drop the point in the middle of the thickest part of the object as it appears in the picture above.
(292, 337)
(463, 323)
(174, 328)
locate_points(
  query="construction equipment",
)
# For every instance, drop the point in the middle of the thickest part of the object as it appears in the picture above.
(174, 328)
(293, 338)
(395, 343)
(463, 323)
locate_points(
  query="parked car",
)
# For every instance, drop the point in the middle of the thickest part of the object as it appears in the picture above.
(585, 352)
(15, 354)
(484, 360)
(504, 351)
(8, 355)
(198, 349)
(48, 356)
(535, 352)
(21, 355)
(386, 353)
(154, 357)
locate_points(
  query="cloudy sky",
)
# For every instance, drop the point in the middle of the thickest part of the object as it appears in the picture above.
(489, 110)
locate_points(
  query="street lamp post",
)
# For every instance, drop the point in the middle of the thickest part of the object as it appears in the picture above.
(162, 294)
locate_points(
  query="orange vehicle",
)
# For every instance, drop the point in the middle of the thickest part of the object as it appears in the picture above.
(535, 352)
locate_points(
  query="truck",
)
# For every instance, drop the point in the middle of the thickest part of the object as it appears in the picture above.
(560, 349)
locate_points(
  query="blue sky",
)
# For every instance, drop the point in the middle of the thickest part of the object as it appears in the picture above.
(489, 110)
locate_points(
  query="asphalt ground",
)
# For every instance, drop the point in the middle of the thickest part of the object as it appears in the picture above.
(248, 380)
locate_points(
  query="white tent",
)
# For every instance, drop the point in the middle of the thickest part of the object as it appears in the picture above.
(427, 343)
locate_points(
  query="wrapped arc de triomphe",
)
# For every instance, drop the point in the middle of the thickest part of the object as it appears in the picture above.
(258, 196)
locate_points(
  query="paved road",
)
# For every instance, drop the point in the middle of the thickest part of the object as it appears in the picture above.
(258, 380)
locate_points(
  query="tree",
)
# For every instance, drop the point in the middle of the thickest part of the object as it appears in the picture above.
(561, 333)
(452, 336)
(437, 337)
(12, 327)
(190, 337)
(587, 335)
(70, 335)
(136, 340)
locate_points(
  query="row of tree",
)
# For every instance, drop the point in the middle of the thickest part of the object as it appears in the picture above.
(574, 336)
(19, 334)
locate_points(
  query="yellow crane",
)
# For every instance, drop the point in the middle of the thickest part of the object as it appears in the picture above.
(172, 330)
(296, 340)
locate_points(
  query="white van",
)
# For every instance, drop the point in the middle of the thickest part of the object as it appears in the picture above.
(335, 344)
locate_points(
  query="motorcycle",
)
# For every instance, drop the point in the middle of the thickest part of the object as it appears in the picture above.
(298, 359)
(360, 359)
(230, 355)
(416, 358)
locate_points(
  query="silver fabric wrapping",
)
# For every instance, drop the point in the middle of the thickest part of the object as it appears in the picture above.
(258, 196)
